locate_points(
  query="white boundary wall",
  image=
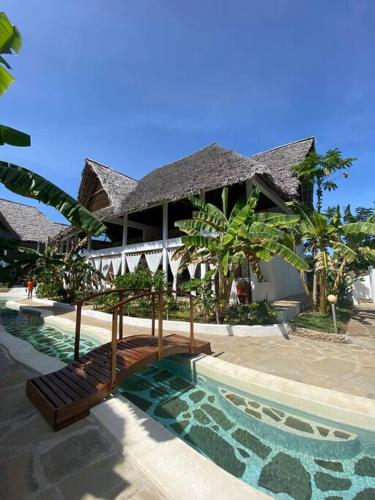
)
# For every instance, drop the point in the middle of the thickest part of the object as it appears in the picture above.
(363, 288)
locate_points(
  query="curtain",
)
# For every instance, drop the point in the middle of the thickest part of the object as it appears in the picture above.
(106, 264)
(192, 270)
(116, 264)
(97, 263)
(174, 264)
(153, 260)
(233, 298)
(132, 261)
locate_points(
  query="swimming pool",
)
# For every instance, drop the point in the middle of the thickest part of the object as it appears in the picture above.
(279, 450)
(45, 339)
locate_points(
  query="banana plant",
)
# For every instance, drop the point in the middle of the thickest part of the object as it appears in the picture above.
(225, 240)
(21, 180)
(333, 244)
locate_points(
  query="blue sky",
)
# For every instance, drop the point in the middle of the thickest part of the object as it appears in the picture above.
(136, 84)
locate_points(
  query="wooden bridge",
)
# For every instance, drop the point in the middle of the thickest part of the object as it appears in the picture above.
(66, 395)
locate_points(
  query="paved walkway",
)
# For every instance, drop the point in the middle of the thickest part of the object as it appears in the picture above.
(80, 462)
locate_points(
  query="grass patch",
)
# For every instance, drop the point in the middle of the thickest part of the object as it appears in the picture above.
(324, 322)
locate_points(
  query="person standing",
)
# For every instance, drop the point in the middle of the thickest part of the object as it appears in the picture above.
(30, 288)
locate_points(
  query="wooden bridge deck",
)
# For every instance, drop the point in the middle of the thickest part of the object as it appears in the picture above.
(67, 395)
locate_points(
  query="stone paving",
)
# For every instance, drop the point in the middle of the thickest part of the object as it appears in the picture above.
(80, 462)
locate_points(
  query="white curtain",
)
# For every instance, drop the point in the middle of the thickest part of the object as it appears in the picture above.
(132, 261)
(97, 264)
(192, 270)
(174, 264)
(233, 297)
(116, 264)
(153, 260)
(106, 264)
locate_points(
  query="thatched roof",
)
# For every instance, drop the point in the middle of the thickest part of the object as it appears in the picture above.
(215, 166)
(26, 223)
(281, 159)
(115, 185)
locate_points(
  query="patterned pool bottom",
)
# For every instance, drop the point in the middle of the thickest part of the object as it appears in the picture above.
(47, 340)
(198, 414)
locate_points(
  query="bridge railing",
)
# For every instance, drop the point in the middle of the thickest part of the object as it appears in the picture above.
(117, 319)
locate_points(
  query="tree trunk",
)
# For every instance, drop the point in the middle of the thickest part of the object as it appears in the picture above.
(306, 288)
(323, 292)
(315, 283)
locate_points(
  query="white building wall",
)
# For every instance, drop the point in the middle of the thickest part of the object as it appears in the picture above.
(364, 287)
(281, 281)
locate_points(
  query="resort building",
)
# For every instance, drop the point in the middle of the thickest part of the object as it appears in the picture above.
(140, 214)
(24, 223)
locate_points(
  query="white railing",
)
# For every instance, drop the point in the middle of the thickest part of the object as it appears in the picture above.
(146, 247)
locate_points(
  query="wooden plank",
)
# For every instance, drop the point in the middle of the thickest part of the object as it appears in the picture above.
(68, 389)
(44, 388)
(75, 382)
(49, 379)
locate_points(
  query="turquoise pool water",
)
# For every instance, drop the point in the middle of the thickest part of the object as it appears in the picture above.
(279, 450)
(51, 341)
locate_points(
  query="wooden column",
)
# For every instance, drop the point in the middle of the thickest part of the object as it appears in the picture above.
(124, 242)
(165, 237)
(89, 243)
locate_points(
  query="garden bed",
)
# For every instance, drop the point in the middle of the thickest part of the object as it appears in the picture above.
(320, 326)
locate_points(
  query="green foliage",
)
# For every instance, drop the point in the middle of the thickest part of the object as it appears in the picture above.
(323, 322)
(50, 290)
(260, 313)
(21, 180)
(318, 169)
(228, 240)
(141, 279)
(10, 41)
(205, 300)
(333, 244)
(29, 184)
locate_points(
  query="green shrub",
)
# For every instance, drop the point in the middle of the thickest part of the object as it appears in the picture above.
(258, 313)
(141, 279)
(49, 291)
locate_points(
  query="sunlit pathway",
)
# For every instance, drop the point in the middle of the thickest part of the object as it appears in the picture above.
(81, 461)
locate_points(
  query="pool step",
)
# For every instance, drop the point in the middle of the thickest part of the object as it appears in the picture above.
(65, 396)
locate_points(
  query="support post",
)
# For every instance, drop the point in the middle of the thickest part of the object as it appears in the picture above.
(191, 323)
(160, 326)
(165, 237)
(78, 330)
(89, 243)
(113, 347)
(121, 316)
(124, 242)
(153, 316)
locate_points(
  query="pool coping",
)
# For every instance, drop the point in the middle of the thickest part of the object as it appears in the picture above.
(274, 330)
(160, 454)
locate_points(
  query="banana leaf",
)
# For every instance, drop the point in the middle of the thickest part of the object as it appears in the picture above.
(13, 137)
(27, 183)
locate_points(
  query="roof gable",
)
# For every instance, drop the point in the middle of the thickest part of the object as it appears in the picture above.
(107, 185)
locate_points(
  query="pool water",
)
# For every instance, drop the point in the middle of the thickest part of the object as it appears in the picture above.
(45, 339)
(279, 450)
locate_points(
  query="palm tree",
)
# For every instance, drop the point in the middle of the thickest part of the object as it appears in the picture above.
(333, 244)
(227, 240)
